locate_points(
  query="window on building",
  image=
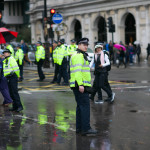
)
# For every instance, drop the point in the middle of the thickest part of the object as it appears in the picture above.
(18, 8)
(9, 5)
(14, 9)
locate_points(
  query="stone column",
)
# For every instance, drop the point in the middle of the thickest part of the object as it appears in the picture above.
(116, 33)
(82, 25)
(147, 25)
(137, 24)
(33, 38)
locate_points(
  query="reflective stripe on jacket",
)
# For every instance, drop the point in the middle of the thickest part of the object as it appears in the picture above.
(62, 52)
(19, 55)
(40, 53)
(55, 53)
(79, 71)
(10, 66)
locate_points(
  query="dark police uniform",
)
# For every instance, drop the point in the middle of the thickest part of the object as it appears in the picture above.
(80, 76)
(11, 72)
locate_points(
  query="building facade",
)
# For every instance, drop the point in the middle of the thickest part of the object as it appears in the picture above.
(14, 16)
(86, 18)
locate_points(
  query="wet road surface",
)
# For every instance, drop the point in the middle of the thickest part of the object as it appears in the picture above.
(48, 119)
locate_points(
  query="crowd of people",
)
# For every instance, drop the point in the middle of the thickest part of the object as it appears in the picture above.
(72, 64)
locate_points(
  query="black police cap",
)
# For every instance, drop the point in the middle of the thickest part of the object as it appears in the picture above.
(6, 50)
(39, 42)
(73, 41)
(62, 41)
(83, 41)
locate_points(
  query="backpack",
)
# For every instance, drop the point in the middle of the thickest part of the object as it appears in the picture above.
(108, 68)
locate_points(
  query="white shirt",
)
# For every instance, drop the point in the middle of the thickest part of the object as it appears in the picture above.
(106, 59)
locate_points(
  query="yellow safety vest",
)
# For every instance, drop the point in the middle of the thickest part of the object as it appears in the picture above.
(40, 53)
(19, 55)
(62, 52)
(72, 48)
(55, 52)
(79, 71)
(10, 66)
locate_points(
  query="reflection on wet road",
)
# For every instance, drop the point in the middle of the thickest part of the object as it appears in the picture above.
(48, 119)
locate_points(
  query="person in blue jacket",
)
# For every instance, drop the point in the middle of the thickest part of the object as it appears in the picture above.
(3, 84)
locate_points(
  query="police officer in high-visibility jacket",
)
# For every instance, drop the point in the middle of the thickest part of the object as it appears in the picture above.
(80, 82)
(8, 46)
(62, 62)
(71, 50)
(40, 57)
(73, 47)
(55, 52)
(19, 55)
(11, 72)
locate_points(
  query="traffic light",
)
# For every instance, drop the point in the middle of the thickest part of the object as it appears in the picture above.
(110, 26)
(110, 22)
(52, 12)
(0, 15)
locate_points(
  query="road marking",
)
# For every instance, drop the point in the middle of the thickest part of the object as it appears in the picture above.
(25, 92)
(50, 123)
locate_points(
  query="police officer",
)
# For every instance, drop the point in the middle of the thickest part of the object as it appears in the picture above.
(40, 57)
(8, 46)
(73, 47)
(62, 62)
(71, 50)
(79, 82)
(11, 72)
(3, 84)
(55, 51)
(19, 56)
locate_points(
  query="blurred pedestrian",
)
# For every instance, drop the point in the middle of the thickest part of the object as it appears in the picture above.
(3, 84)
(131, 53)
(127, 54)
(148, 51)
(11, 72)
(138, 52)
(55, 55)
(24, 47)
(40, 57)
(19, 56)
(101, 60)
(79, 82)
(121, 55)
(111, 52)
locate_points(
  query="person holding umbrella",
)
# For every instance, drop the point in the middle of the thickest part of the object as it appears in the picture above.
(3, 84)
(11, 72)
(19, 56)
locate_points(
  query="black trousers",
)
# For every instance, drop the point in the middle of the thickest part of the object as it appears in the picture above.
(138, 55)
(82, 110)
(101, 82)
(39, 68)
(63, 72)
(13, 89)
(56, 72)
(21, 71)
